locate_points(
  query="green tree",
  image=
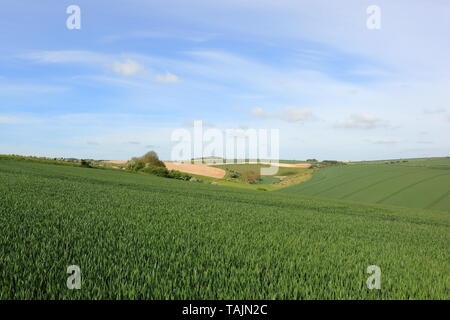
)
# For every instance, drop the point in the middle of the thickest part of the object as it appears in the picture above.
(150, 159)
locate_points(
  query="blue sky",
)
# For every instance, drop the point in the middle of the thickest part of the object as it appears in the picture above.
(137, 70)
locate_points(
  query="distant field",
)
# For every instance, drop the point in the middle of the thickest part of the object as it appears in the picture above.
(417, 183)
(137, 236)
(198, 169)
(283, 177)
(220, 160)
(282, 171)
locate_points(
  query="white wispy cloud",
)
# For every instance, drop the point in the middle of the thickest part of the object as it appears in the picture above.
(167, 78)
(16, 88)
(9, 120)
(361, 121)
(260, 113)
(434, 110)
(178, 35)
(293, 114)
(121, 66)
(289, 114)
(65, 56)
(190, 123)
(386, 141)
(306, 20)
(127, 68)
(18, 119)
(126, 65)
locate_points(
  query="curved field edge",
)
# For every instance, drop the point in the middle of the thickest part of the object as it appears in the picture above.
(142, 237)
(290, 176)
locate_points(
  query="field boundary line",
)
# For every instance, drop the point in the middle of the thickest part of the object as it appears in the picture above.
(346, 182)
(324, 177)
(435, 202)
(409, 186)
(313, 183)
(374, 184)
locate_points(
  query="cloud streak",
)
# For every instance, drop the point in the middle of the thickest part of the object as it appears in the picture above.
(361, 121)
(127, 68)
(289, 114)
(167, 78)
(387, 141)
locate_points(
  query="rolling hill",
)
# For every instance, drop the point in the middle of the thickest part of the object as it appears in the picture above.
(416, 183)
(136, 236)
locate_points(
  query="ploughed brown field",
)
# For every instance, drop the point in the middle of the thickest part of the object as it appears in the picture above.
(117, 161)
(287, 165)
(199, 169)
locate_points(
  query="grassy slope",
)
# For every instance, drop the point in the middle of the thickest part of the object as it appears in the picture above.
(416, 184)
(138, 236)
(268, 182)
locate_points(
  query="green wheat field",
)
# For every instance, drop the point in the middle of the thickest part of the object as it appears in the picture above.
(137, 236)
(415, 183)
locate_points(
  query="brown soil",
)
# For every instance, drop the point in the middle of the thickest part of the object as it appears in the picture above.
(200, 169)
(289, 165)
(117, 161)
